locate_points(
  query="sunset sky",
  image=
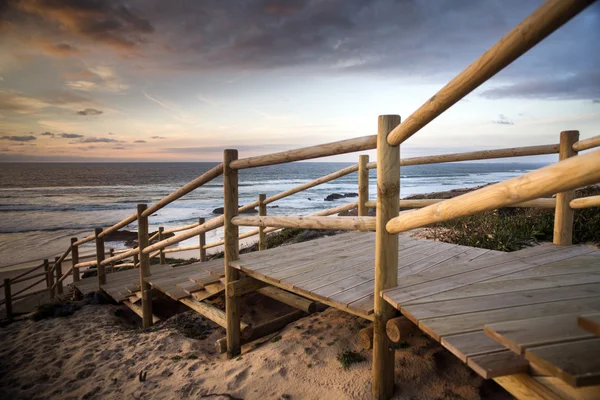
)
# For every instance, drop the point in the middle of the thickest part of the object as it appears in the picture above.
(159, 80)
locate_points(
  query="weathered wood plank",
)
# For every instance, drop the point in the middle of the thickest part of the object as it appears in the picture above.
(471, 344)
(523, 334)
(576, 363)
(498, 364)
(590, 322)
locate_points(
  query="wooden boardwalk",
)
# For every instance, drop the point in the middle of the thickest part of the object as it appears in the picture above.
(498, 312)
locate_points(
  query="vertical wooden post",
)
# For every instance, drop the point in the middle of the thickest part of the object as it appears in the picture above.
(136, 261)
(52, 289)
(99, 258)
(563, 217)
(160, 238)
(75, 259)
(262, 211)
(202, 241)
(386, 256)
(47, 271)
(144, 267)
(363, 185)
(231, 250)
(7, 298)
(74, 262)
(58, 273)
(111, 253)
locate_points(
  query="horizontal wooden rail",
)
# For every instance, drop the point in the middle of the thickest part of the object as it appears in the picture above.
(13, 281)
(121, 256)
(64, 276)
(566, 175)
(420, 203)
(313, 183)
(587, 144)
(585, 202)
(118, 225)
(478, 155)
(180, 228)
(84, 240)
(14, 298)
(27, 272)
(85, 264)
(307, 153)
(185, 189)
(61, 258)
(309, 222)
(547, 18)
(205, 227)
(30, 286)
(154, 236)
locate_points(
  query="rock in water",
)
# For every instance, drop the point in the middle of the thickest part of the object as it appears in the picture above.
(334, 196)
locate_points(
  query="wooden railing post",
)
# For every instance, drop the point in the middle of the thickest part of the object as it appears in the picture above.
(7, 298)
(100, 257)
(51, 288)
(74, 262)
(47, 271)
(363, 185)
(563, 217)
(202, 241)
(111, 253)
(160, 238)
(144, 267)
(262, 211)
(231, 251)
(386, 256)
(58, 274)
(136, 261)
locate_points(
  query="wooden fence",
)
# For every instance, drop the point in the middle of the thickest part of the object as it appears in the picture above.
(533, 189)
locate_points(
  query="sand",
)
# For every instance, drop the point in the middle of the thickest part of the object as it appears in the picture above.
(99, 352)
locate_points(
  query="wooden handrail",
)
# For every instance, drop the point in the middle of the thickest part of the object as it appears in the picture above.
(547, 18)
(13, 281)
(587, 144)
(310, 222)
(185, 189)
(205, 227)
(585, 202)
(419, 203)
(29, 287)
(61, 258)
(27, 272)
(478, 155)
(118, 225)
(307, 153)
(560, 177)
(313, 183)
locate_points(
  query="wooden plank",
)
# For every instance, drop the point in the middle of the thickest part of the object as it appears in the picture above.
(499, 300)
(590, 322)
(485, 288)
(471, 344)
(190, 287)
(520, 335)
(576, 363)
(136, 308)
(213, 289)
(567, 391)
(523, 386)
(464, 323)
(497, 364)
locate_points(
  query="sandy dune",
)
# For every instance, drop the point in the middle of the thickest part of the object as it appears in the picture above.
(98, 353)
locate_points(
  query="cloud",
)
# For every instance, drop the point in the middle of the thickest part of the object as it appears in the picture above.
(89, 111)
(103, 21)
(219, 149)
(20, 103)
(52, 135)
(99, 140)
(119, 148)
(60, 49)
(157, 137)
(575, 86)
(502, 120)
(19, 138)
(139, 141)
(106, 80)
(70, 135)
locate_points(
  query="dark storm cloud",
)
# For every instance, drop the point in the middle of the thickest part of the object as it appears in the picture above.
(52, 135)
(89, 111)
(70, 135)
(502, 120)
(28, 138)
(431, 40)
(107, 21)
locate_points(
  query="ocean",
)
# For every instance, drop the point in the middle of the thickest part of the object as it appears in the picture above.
(42, 205)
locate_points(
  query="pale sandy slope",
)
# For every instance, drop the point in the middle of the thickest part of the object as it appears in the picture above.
(94, 354)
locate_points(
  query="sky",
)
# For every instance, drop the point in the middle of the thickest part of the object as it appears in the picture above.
(155, 80)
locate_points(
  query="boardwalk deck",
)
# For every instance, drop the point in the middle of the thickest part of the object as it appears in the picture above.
(473, 301)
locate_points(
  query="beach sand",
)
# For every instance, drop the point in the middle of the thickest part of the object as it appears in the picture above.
(99, 352)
